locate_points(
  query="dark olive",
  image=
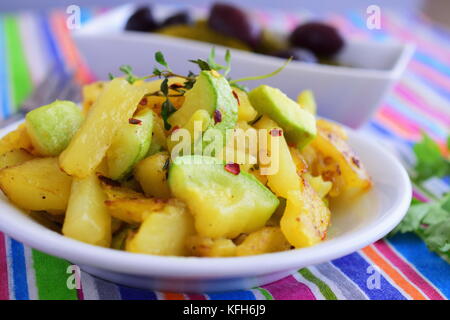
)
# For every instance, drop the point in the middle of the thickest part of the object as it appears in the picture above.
(322, 39)
(182, 17)
(141, 20)
(232, 21)
(297, 54)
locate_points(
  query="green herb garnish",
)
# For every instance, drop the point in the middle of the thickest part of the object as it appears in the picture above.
(431, 221)
(273, 73)
(167, 107)
(203, 65)
(429, 160)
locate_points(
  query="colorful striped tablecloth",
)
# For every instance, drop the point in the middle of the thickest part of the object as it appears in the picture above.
(31, 41)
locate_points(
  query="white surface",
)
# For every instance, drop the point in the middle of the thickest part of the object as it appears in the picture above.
(348, 95)
(353, 227)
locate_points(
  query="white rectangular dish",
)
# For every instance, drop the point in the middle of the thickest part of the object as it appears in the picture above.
(349, 95)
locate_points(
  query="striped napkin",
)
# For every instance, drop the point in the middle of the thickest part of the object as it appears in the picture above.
(31, 41)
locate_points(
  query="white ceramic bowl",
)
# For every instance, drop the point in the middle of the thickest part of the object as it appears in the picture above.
(349, 95)
(353, 227)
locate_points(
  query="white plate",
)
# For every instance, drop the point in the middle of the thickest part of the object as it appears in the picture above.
(349, 95)
(353, 227)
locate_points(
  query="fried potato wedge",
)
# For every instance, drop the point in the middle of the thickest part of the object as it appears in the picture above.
(17, 139)
(200, 246)
(134, 211)
(164, 232)
(38, 184)
(115, 105)
(265, 240)
(14, 157)
(87, 218)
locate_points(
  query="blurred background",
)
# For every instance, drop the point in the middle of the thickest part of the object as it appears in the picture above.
(438, 10)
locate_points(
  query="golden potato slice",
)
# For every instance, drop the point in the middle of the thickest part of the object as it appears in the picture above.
(306, 217)
(338, 163)
(87, 218)
(284, 177)
(17, 139)
(115, 105)
(152, 175)
(90, 94)
(206, 247)
(134, 211)
(14, 157)
(307, 101)
(246, 112)
(164, 232)
(38, 184)
(265, 240)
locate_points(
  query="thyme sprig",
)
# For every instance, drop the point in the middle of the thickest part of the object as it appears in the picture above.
(165, 72)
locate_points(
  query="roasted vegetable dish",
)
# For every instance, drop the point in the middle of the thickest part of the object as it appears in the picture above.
(178, 165)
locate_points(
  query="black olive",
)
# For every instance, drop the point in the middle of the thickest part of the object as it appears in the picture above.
(322, 39)
(141, 20)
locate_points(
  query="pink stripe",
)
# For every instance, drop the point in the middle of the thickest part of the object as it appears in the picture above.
(419, 103)
(292, 21)
(80, 294)
(406, 125)
(408, 271)
(195, 296)
(4, 290)
(262, 17)
(430, 74)
(419, 196)
(289, 289)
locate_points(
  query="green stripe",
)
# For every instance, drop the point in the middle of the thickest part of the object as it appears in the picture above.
(51, 277)
(323, 287)
(20, 76)
(265, 293)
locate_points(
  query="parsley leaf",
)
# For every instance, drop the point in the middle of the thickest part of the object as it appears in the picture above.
(431, 221)
(430, 162)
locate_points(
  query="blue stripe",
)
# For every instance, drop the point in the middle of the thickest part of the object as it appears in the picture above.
(428, 263)
(379, 128)
(233, 295)
(86, 14)
(55, 55)
(432, 62)
(4, 83)
(356, 267)
(128, 293)
(19, 268)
